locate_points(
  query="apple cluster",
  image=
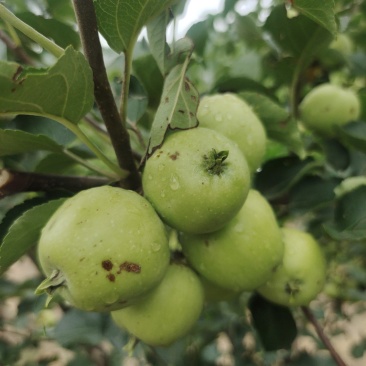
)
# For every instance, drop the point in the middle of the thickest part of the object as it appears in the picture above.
(108, 249)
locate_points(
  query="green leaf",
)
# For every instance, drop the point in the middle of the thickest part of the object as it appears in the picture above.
(312, 193)
(24, 233)
(279, 175)
(120, 21)
(178, 107)
(353, 135)
(165, 57)
(147, 71)
(80, 327)
(64, 91)
(279, 123)
(300, 36)
(275, 324)
(63, 34)
(156, 33)
(321, 12)
(18, 142)
(349, 216)
(199, 34)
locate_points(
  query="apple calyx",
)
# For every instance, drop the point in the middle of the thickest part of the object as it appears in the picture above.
(51, 284)
(214, 163)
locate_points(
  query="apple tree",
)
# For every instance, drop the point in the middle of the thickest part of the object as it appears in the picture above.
(182, 201)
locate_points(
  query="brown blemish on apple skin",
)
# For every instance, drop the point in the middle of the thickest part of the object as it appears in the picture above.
(207, 243)
(111, 277)
(107, 265)
(81, 259)
(174, 156)
(129, 267)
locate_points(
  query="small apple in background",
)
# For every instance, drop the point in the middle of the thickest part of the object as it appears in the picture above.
(234, 118)
(301, 276)
(327, 106)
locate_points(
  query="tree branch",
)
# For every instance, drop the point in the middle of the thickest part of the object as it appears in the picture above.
(12, 182)
(18, 51)
(88, 27)
(319, 330)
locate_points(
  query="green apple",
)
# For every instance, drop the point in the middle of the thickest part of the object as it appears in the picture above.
(243, 254)
(169, 312)
(102, 249)
(234, 118)
(302, 273)
(327, 106)
(197, 180)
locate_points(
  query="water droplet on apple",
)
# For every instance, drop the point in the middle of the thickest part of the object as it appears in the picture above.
(174, 183)
(155, 247)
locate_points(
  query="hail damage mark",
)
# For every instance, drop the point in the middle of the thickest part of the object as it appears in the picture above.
(129, 267)
(174, 156)
(107, 265)
(111, 277)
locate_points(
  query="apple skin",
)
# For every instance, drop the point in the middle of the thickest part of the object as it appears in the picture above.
(181, 189)
(108, 246)
(234, 118)
(242, 255)
(169, 312)
(327, 106)
(302, 274)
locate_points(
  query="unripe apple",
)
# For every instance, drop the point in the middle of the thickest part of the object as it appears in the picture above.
(169, 312)
(197, 180)
(244, 253)
(234, 118)
(327, 106)
(102, 249)
(301, 275)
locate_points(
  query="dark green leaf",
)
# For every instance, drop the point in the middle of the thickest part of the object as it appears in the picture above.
(300, 36)
(198, 33)
(275, 324)
(17, 142)
(120, 22)
(279, 175)
(156, 32)
(353, 135)
(248, 31)
(24, 232)
(240, 84)
(165, 57)
(62, 92)
(321, 12)
(63, 34)
(137, 100)
(147, 71)
(177, 109)
(279, 124)
(305, 359)
(80, 327)
(349, 216)
(312, 193)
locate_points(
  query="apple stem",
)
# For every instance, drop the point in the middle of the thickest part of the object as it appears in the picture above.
(214, 162)
(319, 330)
(50, 285)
